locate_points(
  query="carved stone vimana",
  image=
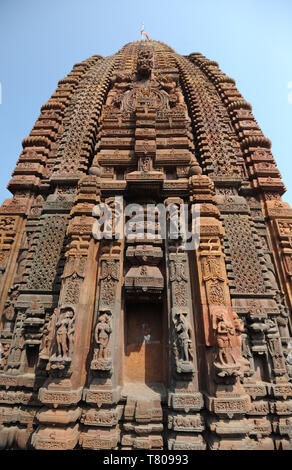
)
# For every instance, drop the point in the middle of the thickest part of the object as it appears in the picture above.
(139, 344)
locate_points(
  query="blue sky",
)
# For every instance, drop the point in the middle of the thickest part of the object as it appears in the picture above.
(41, 40)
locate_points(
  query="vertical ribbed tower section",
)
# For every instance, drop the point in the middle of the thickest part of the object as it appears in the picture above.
(144, 341)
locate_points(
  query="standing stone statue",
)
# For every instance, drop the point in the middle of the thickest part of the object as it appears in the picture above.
(48, 337)
(102, 334)
(184, 338)
(65, 330)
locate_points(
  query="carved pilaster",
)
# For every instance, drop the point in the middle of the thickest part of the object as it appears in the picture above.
(68, 332)
(221, 326)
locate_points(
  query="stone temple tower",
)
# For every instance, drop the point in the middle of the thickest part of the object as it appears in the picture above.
(136, 342)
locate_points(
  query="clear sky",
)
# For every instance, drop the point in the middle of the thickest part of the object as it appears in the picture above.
(42, 39)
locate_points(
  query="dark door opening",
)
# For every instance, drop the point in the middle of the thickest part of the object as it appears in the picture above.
(144, 359)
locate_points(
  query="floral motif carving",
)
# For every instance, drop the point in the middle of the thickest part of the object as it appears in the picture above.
(109, 276)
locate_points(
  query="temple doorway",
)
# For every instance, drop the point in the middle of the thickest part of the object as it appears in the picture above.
(145, 356)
